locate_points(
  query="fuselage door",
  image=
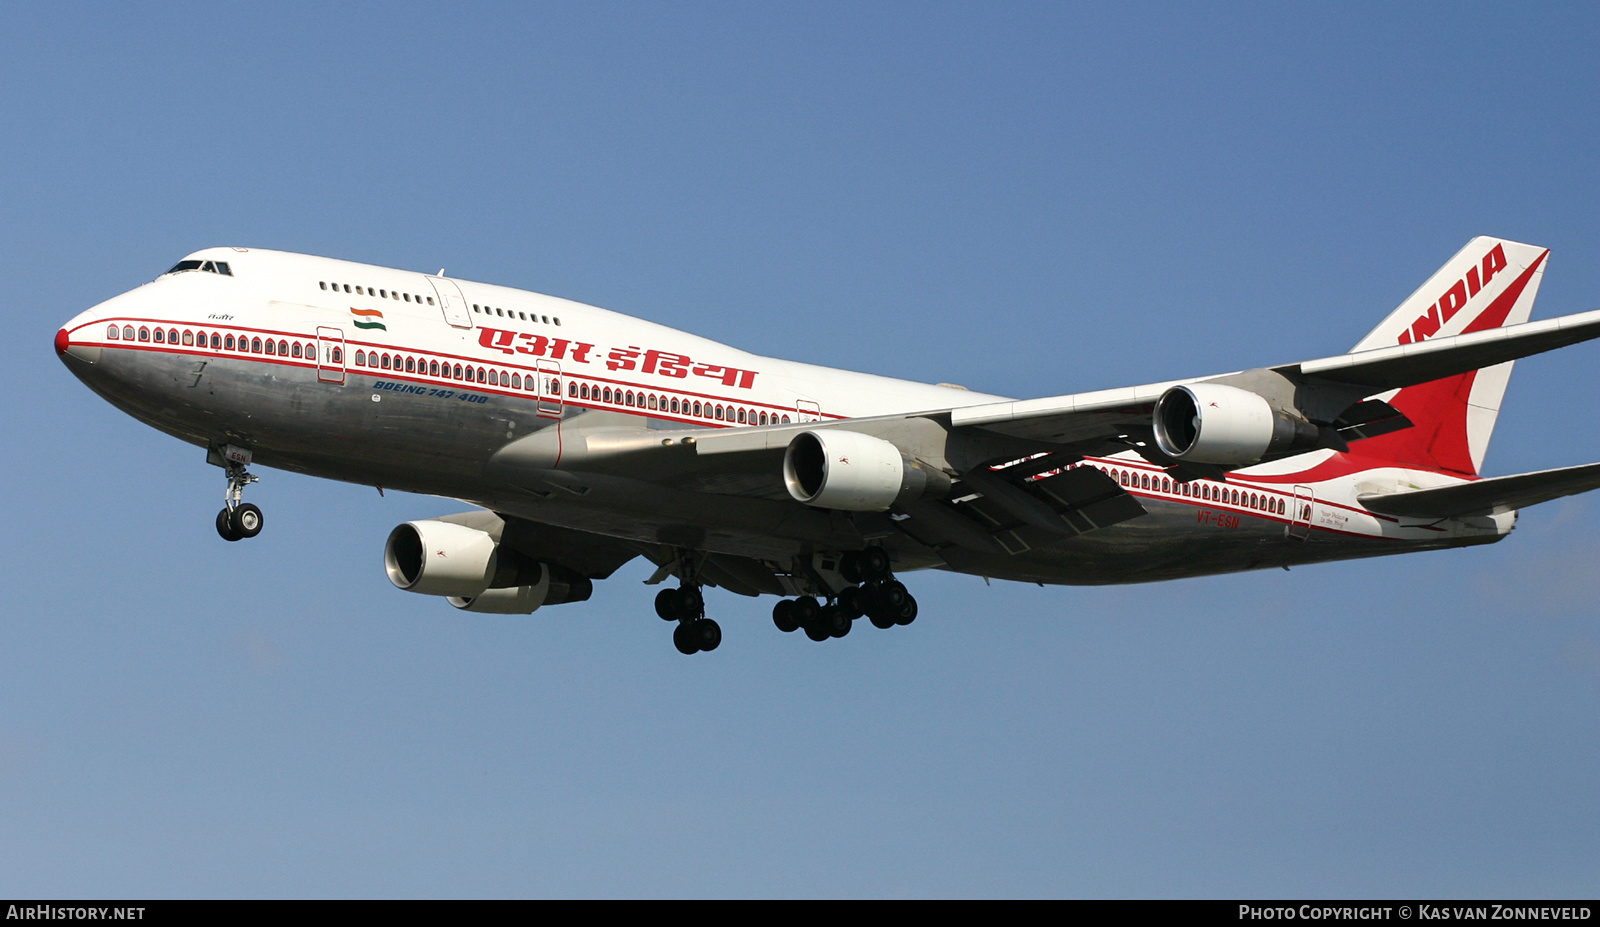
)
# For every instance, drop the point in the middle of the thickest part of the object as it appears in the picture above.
(807, 411)
(451, 302)
(550, 387)
(330, 354)
(1300, 514)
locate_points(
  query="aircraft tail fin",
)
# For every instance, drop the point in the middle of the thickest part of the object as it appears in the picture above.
(1488, 284)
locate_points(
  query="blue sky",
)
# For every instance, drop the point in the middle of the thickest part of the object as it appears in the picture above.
(1028, 199)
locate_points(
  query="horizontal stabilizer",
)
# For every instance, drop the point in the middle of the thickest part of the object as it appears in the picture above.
(1486, 497)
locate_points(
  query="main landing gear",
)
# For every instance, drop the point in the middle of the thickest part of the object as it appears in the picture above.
(687, 606)
(238, 519)
(877, 595)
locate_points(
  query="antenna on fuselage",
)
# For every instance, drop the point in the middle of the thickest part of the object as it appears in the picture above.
(441, 271)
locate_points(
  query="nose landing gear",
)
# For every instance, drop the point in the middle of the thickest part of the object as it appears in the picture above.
(687, 606)
(238, 519)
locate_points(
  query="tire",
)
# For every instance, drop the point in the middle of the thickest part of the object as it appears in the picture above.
(891, 597)
(247, 520)
(853, 602)
(707, 633)
(881, 623)
(691, 603)
(850, 567)
(667, 604)
(225, 526)
(806, 610)
(875, 564)
(783, 616)
(835, 621)
(817, 632)
(908, 612)
(685, 639)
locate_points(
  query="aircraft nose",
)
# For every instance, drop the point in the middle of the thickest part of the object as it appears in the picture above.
(69, 350)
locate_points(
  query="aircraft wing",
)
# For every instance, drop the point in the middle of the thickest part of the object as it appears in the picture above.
(1486, 497)
(1085, 416)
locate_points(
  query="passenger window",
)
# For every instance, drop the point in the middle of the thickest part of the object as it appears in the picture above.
(255, 345)
(572, 389)
(555, 387)
(718, 413)
(283, 348)
(127, 333)
(430, 300)
(558, 320)
(674, 403)
(697, 409)
(271, 348)
(383, 294)
(160, 336)
(516, 381)
(323, 284)
(338, 356)
(786, 419)
(113, 333)
(230, 342)
(188, 337)
(411, 365)
(347, 288)
(433, 368)
(763, 418)
(494, 378)
(652, 401)
(144, 334)
(358, 354)
(385, 361)
(359, 292)
(361, 356)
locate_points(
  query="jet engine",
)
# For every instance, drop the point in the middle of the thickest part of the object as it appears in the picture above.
(1217, 424)
(474, 571)
(835, 469)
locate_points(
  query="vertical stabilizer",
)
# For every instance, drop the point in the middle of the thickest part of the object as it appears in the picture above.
(1488, 284)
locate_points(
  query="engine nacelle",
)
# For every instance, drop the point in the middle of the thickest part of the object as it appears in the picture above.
(443, 558)
(1217, 424)
(556, 586)
(853, 472)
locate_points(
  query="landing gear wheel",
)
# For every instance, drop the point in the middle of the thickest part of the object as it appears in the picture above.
(881, 622)
(816, 631)
(783, 615)
(247, 520)
(691, 604)
(875, 564)
(806, 610)
(707, 633)
(684, 638)
(667, 604)
(225, 526)
(835, 621)
(908, 612)
(850, 567)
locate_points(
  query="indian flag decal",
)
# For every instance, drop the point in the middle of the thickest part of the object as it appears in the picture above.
(368, 318)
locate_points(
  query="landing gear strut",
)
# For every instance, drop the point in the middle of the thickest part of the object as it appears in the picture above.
(878, 596)
(238, 519)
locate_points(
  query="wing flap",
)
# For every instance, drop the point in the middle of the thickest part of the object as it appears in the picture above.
(1486, 497)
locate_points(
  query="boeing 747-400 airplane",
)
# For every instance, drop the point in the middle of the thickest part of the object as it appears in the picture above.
(589, 438)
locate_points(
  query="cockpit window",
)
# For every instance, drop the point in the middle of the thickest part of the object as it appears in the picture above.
(210, 267)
